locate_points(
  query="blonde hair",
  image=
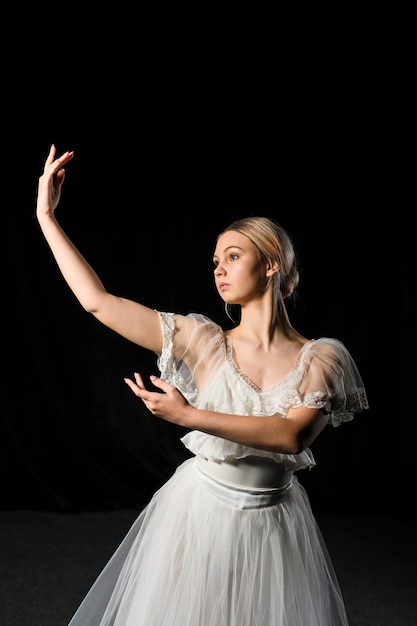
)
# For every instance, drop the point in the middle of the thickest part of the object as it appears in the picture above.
(274, 245)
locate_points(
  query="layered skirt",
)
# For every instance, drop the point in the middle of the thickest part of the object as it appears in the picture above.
(205, 552)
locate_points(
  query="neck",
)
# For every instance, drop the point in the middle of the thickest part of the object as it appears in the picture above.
(257, 321)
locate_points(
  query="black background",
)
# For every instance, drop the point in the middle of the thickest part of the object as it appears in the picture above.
(165, 157)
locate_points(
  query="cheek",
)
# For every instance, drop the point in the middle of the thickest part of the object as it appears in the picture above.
(250, 277)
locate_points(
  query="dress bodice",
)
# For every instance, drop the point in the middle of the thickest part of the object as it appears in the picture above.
(323, 376)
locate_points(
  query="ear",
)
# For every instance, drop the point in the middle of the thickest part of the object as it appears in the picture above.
(272, 268)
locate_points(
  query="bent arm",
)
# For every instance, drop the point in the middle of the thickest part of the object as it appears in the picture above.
(289, 435)
(132, 320)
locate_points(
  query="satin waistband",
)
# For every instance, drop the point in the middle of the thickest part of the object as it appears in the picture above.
(249, 471)
(240, 496)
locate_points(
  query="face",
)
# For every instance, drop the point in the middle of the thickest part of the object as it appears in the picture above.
(238, 273)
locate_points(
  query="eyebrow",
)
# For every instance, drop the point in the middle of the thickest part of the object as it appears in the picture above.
(228, 248)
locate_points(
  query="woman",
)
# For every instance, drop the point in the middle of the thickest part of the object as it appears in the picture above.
(230, 538)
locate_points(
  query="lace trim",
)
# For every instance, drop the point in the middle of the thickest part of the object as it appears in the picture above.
(168, 330)
(172, 369)
(248, 381)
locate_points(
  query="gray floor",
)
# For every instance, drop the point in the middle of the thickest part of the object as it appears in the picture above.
(49, 560)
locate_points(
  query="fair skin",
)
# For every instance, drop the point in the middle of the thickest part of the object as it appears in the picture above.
(263, 353)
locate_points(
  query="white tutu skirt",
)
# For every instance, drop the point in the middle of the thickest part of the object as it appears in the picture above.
(207, 553)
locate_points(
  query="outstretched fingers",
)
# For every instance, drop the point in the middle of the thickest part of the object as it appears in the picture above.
(51, 156)
(53, 165)
(137, 385)
(168, 402)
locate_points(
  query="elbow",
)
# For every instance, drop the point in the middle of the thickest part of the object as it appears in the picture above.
(90, 309)
(94, 303)
(297, 443)
(296, 446)
(299, 434)
(289, 445)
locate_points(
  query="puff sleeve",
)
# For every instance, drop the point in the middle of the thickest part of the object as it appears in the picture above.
(332, 381)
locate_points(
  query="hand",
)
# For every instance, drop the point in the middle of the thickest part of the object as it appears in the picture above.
(50, 182)
(170, 405)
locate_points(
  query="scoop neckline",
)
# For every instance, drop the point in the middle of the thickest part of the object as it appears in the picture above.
(249, 381)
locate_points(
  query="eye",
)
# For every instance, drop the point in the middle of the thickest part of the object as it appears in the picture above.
(215, 263)
(233, 257)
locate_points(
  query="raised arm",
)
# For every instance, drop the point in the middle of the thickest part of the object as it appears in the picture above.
(132, 320)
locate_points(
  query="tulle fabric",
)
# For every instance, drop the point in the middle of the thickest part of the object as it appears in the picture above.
(207, 553)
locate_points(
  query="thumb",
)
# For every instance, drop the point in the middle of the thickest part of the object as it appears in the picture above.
(59, 178)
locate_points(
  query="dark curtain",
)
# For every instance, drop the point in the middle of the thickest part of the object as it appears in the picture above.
(144, 200)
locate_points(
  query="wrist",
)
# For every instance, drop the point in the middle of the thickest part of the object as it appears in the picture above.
(189, 419)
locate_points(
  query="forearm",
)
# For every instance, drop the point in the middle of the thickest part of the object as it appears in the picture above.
(272, 433)
(289, 435)
(77, 272)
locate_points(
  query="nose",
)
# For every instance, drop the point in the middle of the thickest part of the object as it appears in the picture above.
(218, 270)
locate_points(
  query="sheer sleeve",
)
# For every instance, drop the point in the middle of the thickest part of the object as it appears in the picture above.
(332, 381)
(192, 346)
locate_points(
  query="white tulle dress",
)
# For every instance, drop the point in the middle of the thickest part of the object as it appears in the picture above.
(219, 544)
